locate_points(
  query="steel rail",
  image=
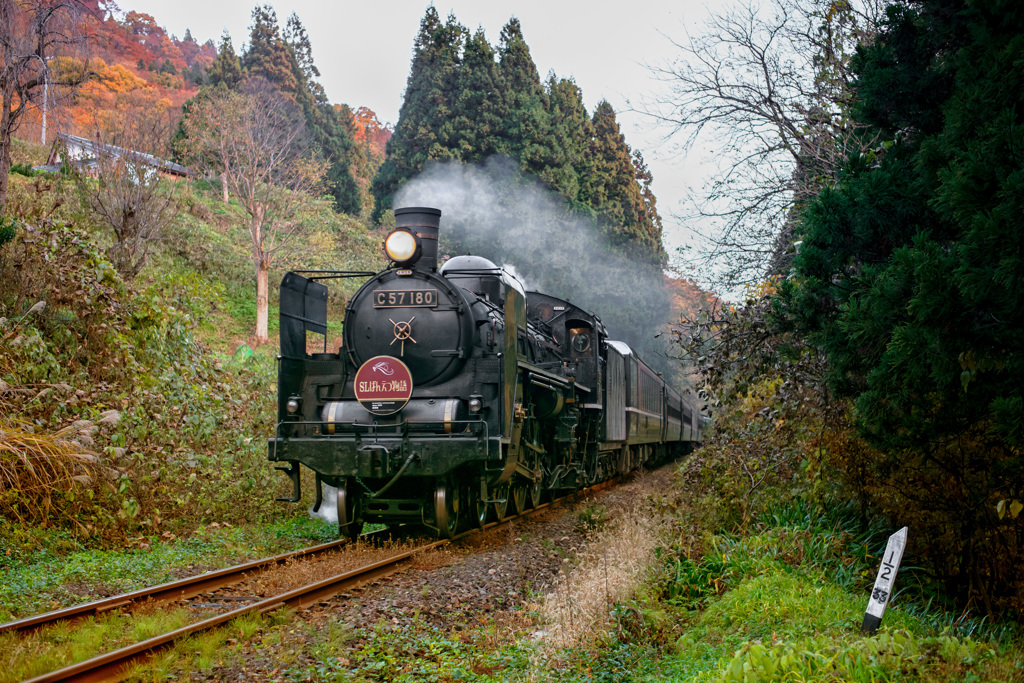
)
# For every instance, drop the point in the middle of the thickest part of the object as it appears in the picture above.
(115, 665)
(182, 589)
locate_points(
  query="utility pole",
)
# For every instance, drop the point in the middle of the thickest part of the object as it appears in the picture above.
(46, 94)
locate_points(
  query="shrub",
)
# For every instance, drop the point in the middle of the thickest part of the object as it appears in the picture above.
(7, 230)
(24, 169)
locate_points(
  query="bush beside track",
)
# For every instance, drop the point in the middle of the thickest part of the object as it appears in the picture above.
(125, 414)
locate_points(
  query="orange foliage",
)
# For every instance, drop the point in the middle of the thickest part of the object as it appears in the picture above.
(687, 298)
(370, 132)
(121, 47)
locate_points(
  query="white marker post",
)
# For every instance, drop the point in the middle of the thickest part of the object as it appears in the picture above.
(886, 578)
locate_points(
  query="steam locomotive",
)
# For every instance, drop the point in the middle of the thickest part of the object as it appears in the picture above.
(457, 393)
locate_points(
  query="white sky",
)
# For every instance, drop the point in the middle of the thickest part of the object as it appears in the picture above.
(363, 51)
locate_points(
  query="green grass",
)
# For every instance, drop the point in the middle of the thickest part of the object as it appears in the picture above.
(50, 579)
(64, 644)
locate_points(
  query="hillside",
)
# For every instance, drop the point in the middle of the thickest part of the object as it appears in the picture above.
(135, 388)
(138, 68)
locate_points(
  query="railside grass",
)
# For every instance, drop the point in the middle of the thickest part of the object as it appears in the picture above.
(61, 645)
(578, 613)
(782, 601)
(47, 580)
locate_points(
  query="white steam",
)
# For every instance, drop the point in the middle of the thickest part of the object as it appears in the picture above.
(328, 511)
(490, 209)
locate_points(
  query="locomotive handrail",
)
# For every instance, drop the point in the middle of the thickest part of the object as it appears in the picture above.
(335, 274)
(545, 374)
(286, 314)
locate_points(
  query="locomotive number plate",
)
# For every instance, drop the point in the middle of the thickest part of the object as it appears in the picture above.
(404, 298)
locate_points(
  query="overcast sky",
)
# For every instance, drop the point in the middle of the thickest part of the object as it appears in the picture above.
(363, 51)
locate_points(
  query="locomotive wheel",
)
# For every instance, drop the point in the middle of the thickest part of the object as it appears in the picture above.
(446, 508)
(350, 524)
(519, 498)
(480, 513)
(501, 501)
(536, 493)
(475, 506)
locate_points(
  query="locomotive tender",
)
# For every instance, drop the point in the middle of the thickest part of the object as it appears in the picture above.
(455, 392)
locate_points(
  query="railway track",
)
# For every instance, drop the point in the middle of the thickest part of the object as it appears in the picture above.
(182, 589)
(116, 665)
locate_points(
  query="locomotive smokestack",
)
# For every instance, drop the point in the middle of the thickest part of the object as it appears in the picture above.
(424, 222)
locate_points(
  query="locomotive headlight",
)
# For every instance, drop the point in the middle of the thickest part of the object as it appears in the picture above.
(401, 246)
(292, 406)
(475, 405)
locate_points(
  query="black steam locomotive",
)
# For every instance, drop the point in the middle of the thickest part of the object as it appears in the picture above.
(455, 392)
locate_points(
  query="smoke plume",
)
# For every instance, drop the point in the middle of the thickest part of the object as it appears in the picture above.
(492, 210)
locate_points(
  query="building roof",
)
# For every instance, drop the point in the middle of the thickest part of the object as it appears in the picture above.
(97, 149)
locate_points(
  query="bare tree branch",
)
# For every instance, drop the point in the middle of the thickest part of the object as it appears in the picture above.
(32, 32)
(128, 194)
(256, 140)
(768, 89)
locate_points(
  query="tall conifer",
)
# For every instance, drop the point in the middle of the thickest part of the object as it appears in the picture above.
(474, 132)
(910, 277)
(614, 191)
(268, 55)
(571, 128)
(297, 40)
(420, 134)
(226, 68)
(526, 133)
(331, 128)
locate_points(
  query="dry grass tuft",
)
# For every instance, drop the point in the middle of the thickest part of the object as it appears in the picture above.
(37, 471)
(578, 612)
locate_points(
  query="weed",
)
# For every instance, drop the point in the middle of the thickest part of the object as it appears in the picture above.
(578, 613)
(592, 517)
(26, 656)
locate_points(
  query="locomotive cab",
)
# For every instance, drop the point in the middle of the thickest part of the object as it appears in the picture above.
(579, 335)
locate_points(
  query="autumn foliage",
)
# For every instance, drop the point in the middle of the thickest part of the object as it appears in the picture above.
(132, 58)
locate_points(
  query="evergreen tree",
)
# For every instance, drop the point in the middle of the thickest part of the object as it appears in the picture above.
(570, 126)
(197, 75)
(297, 40)
(924, 236)
(426, 108)
(526, 134)
(188, 37)
(226, 68)
(268, 55)
(911, 277)
(650, 220)
(613, 191)
(331, 128)
(473, 133)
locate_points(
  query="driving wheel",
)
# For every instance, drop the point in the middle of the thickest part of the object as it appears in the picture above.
(519, 498)
(350, 521)
(446, 508)
(500, 494)
(536, 493)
